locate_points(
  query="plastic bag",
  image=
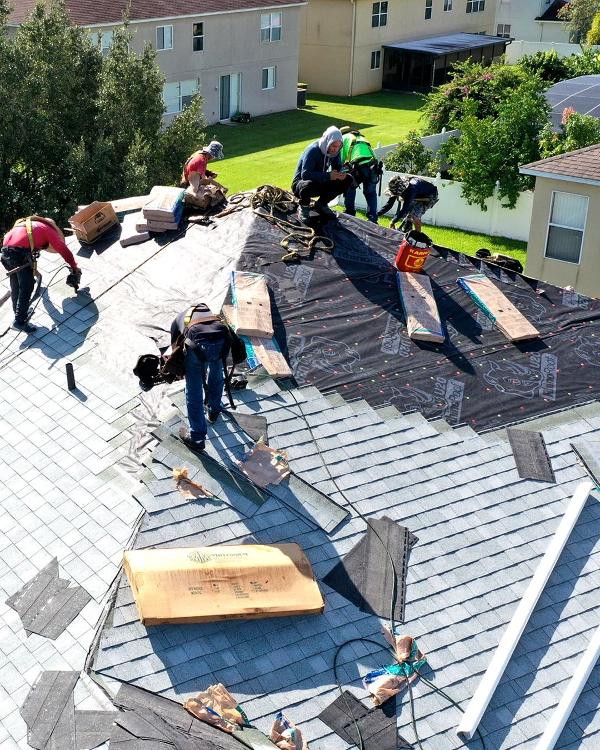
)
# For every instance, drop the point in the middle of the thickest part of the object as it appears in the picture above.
(286, 735)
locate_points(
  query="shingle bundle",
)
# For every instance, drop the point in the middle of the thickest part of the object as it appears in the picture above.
(164, 210)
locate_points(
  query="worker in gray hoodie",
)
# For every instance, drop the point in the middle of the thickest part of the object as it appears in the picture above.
(319, 175)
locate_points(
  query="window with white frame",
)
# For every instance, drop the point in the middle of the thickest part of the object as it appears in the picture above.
(102, 39)
(428, 9)
(475, 6)
(164, 37)
(178, 95)
(568, 215)
(379, 15)
(376, 59)
(447, 5)
(270, 27)
(503, 30)
(198, 37)
(269, 78)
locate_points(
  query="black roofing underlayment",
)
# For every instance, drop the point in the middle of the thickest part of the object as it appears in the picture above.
(339, 321)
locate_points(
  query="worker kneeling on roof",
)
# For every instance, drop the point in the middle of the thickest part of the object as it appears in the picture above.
(20, 249)
(319, 175)
(195, 168)
(206, 341)
(415, 197)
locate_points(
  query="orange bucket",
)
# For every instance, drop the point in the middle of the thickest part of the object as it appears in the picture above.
(413, 252)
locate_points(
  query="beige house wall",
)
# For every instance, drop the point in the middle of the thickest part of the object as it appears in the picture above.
(326, 42)
(584, 277)
(231, 45)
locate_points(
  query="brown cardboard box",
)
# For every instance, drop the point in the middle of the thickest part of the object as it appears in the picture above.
(237, 581)
(93, 220)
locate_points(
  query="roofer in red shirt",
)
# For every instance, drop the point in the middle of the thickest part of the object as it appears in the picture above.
(20, 249)
(195, 168)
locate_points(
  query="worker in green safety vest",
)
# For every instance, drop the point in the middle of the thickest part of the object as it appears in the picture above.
(360, 161)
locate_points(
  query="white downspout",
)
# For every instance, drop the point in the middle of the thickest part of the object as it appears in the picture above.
(574, 688)
(351, 79)
(502, 655)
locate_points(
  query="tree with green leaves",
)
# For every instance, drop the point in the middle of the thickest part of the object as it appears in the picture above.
(579, 15)
(593, 35)
(491, 149)
(411, 157)
(82, 126)
(576, 131)
(475, 88)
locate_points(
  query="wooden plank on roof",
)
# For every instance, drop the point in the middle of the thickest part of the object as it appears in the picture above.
(252, 305)
(497, 307)
(422, 316)
(269, 355)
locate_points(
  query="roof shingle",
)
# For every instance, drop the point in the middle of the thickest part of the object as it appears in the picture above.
(86, 12)
(583, 164)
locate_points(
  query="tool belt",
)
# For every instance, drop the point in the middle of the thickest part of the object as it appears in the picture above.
(13, 257)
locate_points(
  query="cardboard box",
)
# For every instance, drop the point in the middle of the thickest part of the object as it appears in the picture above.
(93, 221)
(238, 581)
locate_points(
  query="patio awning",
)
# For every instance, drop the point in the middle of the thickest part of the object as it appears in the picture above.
(438, 46)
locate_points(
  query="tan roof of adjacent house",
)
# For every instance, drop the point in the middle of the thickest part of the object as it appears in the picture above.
(87, 12)
(582, 165)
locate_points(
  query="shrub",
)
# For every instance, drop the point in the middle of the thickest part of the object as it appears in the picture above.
(475, 89)
(411, 156)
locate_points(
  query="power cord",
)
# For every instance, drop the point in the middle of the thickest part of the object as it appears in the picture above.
(392, 602)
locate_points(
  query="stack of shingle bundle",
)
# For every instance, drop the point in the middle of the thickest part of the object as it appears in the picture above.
(164, 210)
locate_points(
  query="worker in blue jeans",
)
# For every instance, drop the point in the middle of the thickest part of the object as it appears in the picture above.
(364, 176)
(360, 161)
(207, 344)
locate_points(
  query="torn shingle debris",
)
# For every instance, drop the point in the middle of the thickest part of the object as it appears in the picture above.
(364, 574)
(51, 718)
(531, 456)
(48, 604)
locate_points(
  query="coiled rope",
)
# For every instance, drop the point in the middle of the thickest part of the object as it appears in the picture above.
(275, 205)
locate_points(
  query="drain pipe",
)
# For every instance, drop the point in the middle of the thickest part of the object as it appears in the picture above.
(489, 682)
(574, 688)
(351, 78)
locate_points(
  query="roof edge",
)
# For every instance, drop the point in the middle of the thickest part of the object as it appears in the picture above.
(558, 176)
(150, 19)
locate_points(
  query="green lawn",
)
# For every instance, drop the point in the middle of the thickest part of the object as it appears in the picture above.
(266, 150)
(470, 242)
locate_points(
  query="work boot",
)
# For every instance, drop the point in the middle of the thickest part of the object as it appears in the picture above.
(186, 438)
(212, 415)
(304, 214)
(26, 327)
(323, 210)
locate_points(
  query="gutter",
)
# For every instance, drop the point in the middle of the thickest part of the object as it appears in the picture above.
(351, 78)
(561, 177)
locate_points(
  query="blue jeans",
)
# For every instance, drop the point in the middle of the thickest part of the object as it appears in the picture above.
(369, 189)
(195, 372)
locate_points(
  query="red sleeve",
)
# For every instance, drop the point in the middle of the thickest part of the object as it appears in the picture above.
(196, 164)
(48, 234)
